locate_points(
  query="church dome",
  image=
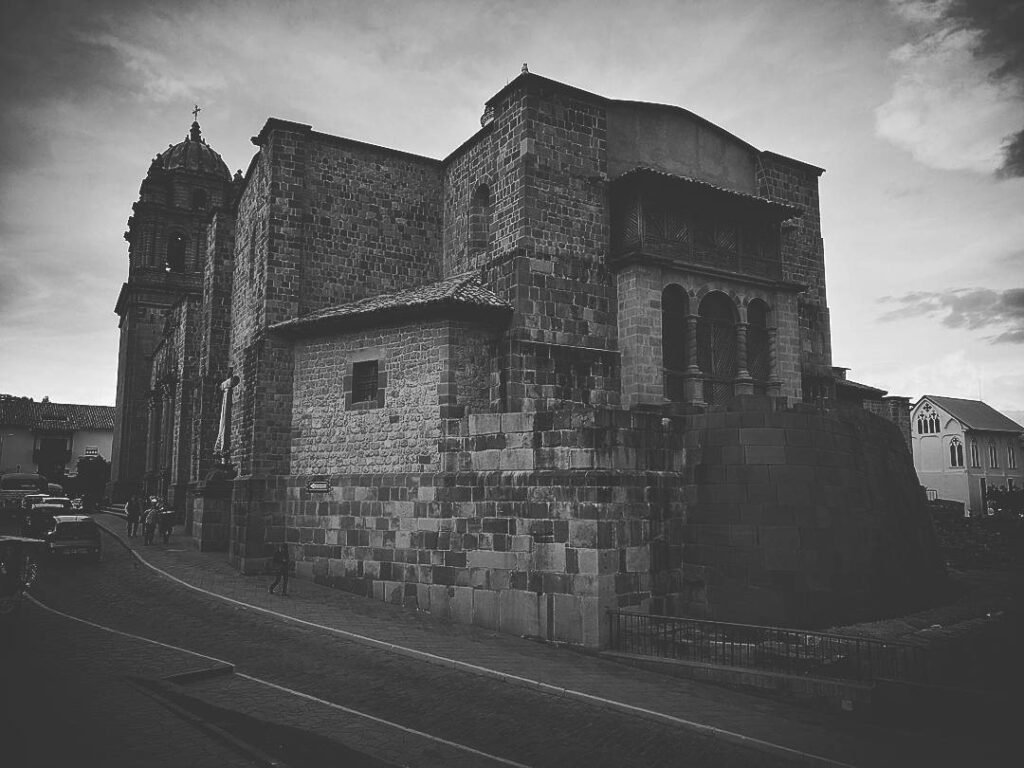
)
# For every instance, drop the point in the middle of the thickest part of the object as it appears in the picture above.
(195, 155)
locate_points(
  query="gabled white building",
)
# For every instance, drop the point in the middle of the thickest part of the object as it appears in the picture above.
(964, 447)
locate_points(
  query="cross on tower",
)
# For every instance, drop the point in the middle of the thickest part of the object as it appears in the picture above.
(195, 112)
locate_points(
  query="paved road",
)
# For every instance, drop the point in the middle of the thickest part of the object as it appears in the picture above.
(105, 692)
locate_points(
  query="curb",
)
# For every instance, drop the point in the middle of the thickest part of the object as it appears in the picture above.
(155, 689)
(708, 731)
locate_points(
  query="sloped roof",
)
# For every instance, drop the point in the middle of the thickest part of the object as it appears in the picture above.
(975, 414)
(864, 389)
(780, 209)
(459, 291)
(70, 417)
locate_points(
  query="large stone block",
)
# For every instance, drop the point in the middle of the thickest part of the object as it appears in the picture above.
(486, 559)
(519, 612)
(568, 616)
(460, 604)
(485, 608)
(549, 557)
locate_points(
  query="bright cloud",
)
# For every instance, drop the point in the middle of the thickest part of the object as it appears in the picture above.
(969, 308)
(956, 104)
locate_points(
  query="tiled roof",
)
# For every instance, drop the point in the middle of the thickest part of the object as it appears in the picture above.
(975, 414)
(19, 412)
(462, 290)
(858, 387)
(788, 211)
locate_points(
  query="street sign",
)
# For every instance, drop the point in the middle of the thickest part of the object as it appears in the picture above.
(318, 486)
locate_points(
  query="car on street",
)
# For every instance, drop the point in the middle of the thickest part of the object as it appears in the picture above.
(74, 535)
(32, 499)
(38, 521)
(57, 501)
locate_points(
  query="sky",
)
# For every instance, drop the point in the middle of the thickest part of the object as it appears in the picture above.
(915, 108)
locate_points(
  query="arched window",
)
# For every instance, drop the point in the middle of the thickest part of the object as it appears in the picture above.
(716, 346)
(936, 427)
(920, 425)
(975, 458)
(479, 234)
(758, 361)
(674, 305)
(176, 252)
(199, 199)
(993, 456)
(956, 453)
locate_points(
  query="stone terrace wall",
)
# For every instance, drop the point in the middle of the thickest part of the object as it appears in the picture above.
(548, 525)
(803, 519)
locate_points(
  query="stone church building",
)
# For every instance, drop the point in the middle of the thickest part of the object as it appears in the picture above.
(579, 364)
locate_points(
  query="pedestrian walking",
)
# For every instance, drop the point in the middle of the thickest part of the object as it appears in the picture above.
(281, 564)
(166, 523)
(133, 513)
(149, 522)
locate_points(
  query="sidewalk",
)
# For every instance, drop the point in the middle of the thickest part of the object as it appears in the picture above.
(807, 736)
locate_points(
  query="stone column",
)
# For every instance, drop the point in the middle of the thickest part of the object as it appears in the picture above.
(152, 432)
(774, 383)
(744, 385)
(166, 440)
(693, 386)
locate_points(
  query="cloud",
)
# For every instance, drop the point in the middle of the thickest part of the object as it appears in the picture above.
(967, 308)
(958, 103)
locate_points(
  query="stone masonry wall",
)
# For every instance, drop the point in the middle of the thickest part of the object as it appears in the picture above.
(803, 252)
(371, 221)
(492, 157)
(548, 525)
(214, 334)
(402, 435)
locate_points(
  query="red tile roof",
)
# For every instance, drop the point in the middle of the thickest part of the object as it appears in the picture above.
(46, 416)
(459, 291)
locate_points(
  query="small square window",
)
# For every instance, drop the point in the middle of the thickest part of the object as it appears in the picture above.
(364, 382)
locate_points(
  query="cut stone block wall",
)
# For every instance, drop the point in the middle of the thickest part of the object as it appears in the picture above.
(803, 519)
(540, 523)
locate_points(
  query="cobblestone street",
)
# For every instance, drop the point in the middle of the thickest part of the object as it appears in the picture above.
(344, 697)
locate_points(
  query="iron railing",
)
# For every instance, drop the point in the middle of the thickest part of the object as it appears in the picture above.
(770, 649)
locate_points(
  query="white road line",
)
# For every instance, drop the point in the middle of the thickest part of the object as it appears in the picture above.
(128, 634)
(413, 731)
(707, 730)
(292, 691)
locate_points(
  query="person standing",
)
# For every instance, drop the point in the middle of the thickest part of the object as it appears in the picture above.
(281, 564)
(149, 522)
(132, 511)
(166, 522)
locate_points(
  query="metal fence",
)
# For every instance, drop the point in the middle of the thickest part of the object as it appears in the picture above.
(770, 649)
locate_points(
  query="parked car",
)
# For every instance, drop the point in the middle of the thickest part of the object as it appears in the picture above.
(14, 486)
(74, 535)
(32, 499)
(57, 501)
(17, 573)
(38, 521)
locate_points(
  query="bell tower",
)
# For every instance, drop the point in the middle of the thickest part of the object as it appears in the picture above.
(166, 249)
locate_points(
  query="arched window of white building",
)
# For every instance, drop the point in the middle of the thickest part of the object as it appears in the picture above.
(956, 453)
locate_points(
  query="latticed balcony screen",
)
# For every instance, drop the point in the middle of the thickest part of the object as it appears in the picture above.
(716, 348)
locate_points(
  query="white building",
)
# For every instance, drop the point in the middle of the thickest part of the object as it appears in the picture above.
(964, 447)
(50, 438)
